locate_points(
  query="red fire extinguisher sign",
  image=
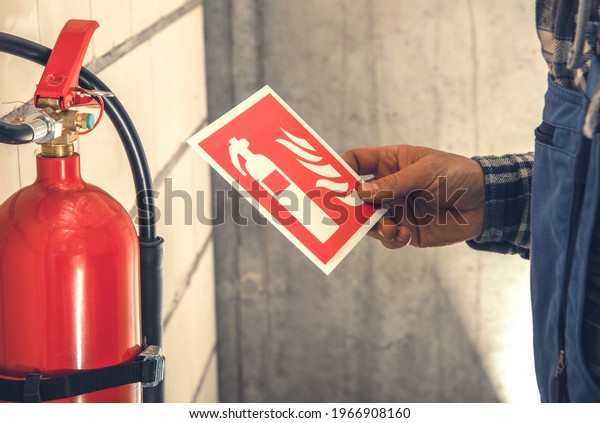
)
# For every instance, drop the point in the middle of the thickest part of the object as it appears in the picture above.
(297, 181)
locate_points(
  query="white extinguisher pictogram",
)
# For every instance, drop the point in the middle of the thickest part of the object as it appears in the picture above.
(281, 187)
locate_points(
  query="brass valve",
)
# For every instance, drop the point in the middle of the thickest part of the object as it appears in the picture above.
(71, 121)
(61, 146)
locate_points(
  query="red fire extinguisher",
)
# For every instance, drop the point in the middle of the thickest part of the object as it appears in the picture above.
(69, 262)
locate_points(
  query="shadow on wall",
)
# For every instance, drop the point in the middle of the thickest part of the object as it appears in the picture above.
(369, 333)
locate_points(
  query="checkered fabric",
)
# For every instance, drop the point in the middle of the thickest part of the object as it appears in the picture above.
(507, 198)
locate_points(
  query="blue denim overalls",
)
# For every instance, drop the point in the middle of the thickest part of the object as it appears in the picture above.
(564, 202)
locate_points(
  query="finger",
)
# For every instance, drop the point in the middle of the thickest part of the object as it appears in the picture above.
(373, 231)
(373, 234)
(384, 230)
(409, 231)
(401, 240)
(404, 236)
(367, 161)
(394, 185)
(387, 229)
(393, 245)
(390, 234)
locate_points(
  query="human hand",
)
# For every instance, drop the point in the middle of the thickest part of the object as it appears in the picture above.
(436, 198)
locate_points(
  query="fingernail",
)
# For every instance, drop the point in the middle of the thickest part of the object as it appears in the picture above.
(369, 187)
(402, 239)
(380, 232)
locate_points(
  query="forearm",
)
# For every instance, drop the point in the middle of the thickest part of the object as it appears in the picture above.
(507, 204)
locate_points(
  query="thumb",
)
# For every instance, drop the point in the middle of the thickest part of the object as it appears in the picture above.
(392, 186)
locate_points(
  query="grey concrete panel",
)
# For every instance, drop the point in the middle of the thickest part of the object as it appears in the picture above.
(407, 325)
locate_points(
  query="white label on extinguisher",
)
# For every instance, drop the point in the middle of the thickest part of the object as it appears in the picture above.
(280, 164)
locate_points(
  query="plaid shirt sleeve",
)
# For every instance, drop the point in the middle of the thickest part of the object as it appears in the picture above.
(507, 204)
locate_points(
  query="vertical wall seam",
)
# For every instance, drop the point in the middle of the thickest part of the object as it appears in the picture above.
(259, 34)
(39, 26)
(237, 271)
(221, 96)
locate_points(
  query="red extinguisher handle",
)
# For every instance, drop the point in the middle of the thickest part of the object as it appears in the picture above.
(61, 75)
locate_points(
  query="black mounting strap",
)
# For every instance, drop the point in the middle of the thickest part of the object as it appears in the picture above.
(148, 368)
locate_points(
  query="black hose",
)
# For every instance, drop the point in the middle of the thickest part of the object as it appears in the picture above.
(135, 154)
(150, 244)
(151, 254)
(15, 134)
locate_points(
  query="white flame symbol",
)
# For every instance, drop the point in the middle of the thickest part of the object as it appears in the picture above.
(299, 147)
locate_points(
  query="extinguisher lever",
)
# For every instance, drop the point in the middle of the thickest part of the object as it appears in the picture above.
(57, 86)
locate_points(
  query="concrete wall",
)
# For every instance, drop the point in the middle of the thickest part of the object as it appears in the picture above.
(445, 324)
(151, 53)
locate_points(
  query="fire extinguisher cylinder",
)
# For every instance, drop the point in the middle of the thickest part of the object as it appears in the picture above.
(69, 280)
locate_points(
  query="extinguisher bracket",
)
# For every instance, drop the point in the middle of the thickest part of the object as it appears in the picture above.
(148, 369)
(31, 388)
(153, 354)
